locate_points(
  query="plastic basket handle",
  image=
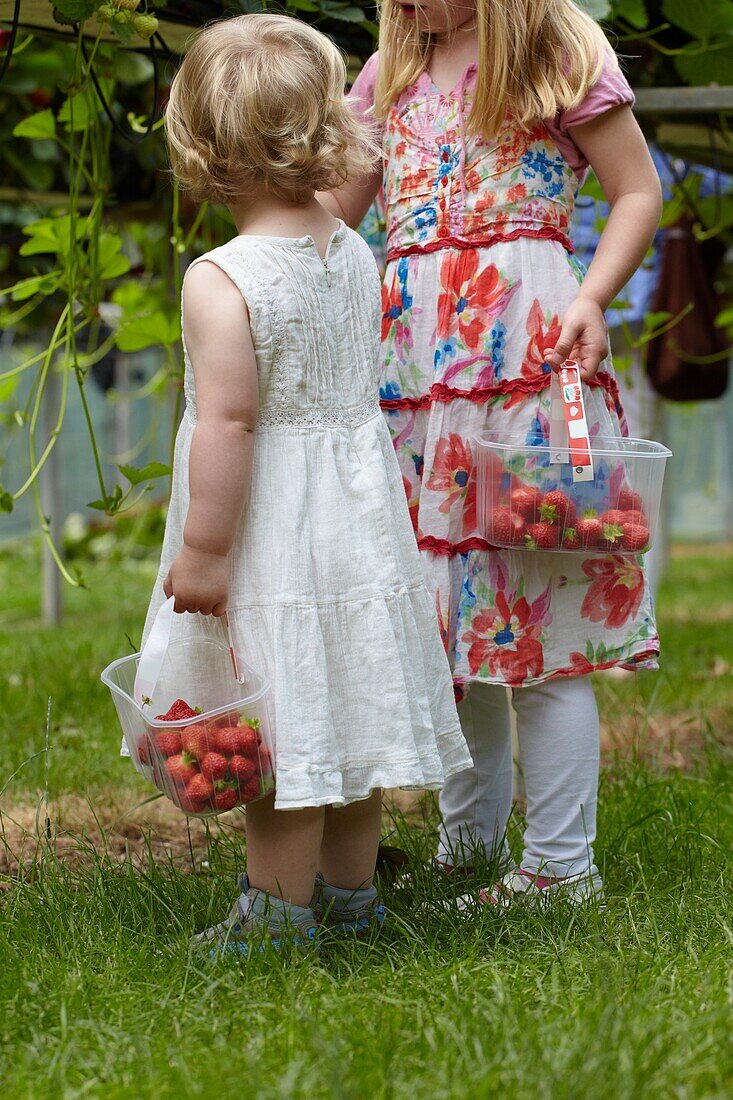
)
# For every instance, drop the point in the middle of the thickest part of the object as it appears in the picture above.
(153, 654)
(154, 650)
(569, 435)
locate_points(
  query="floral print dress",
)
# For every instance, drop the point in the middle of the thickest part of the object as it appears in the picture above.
(479, 273)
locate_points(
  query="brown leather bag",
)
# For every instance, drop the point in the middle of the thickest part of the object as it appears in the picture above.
(687, 275)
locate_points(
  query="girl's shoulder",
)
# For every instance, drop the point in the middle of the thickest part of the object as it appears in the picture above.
(611, 90)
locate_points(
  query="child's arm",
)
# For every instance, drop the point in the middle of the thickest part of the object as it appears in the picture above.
(219, 343)
(615, 147)
(351, 201)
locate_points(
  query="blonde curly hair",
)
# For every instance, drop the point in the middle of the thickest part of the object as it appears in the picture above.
(258, 104)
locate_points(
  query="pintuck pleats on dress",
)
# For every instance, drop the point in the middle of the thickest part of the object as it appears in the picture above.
(327, 595)
(480, 271)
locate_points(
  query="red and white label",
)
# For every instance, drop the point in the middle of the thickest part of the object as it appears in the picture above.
(569, 437)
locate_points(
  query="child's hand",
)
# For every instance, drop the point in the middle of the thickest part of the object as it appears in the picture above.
(583, 337)
(199, 580)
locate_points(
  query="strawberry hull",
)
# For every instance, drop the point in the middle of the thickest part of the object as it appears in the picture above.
(528, 500)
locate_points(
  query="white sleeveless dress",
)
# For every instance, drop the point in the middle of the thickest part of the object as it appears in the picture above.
(327, 596)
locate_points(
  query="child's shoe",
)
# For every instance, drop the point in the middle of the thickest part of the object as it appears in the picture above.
(256, 919)
(538, 891)
(346, 912)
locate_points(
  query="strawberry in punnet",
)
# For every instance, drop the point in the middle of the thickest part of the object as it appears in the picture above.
(543, 536)
(178, 711)
(196, 741)
(252, 789)
(590, 531)
(190, 805)
(507, 526)
(214, 765)
(557, 508)
(614, 517)
(635, 537)
(527, 502)
(570, 539)
(144, 749)
(242, 768)
(249, 742)
(168, 742)
(223, 721)
(181, 768)
(226, 796)
(200, 789)
(227, 740)
(629, 501)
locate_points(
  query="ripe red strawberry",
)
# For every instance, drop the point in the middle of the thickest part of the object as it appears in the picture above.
(200, 789)
(249, 742)
(196, 741)
(144, 749)
(190, 805)
(242, 768)
(589, 531)
(181, 768)
(227, 740)
(168, 742)
(614, 517)
(571, 539)
(227, 798)
(252, 789)
(629, 501)
(635, 536)
(556, 507)
(178, 711)
(214, 765)
(543, 535)
(526, 502)
(507, 526)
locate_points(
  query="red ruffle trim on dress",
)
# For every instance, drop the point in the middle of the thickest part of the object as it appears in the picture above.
(545, 233)
(439, 393)
(450, 549)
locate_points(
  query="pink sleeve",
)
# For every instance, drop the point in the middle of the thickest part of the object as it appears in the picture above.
(610, 90)
(361, 96)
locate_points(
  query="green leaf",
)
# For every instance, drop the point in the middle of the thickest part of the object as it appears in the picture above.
(711, 67)
(8, 387)
(703, 19)
(131, 68)
(149, 330)
(51, 235)
(633, 11)
(76, 10)
(153, 469)
(110, 503)
(35, 284)
(6, 501)
(725, 318)
(111, 262)
(84, 105)
(655, 320)
(41, 125)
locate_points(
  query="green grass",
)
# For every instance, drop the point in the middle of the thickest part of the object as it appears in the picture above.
(100, 997)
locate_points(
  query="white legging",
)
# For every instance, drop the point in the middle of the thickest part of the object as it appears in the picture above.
(557, 724)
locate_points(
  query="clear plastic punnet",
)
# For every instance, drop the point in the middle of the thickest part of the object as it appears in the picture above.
(194, 718)
(531, 497)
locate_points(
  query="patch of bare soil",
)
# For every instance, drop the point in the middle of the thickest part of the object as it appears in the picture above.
(78, 832)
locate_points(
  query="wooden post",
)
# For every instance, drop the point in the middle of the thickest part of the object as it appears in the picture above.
(52, 504)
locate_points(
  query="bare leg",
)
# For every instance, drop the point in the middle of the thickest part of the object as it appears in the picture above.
(283, 848)
(350, 841)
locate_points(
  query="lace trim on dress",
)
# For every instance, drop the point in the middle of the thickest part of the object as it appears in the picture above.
(318, 417)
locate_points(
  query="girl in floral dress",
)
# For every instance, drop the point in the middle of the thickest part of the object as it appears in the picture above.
(489, 113)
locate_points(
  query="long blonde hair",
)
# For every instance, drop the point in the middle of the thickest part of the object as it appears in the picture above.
(535, 57)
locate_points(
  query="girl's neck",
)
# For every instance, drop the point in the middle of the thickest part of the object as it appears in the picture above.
(268, 216)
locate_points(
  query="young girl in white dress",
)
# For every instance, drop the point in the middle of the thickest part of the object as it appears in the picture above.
(287, 508)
